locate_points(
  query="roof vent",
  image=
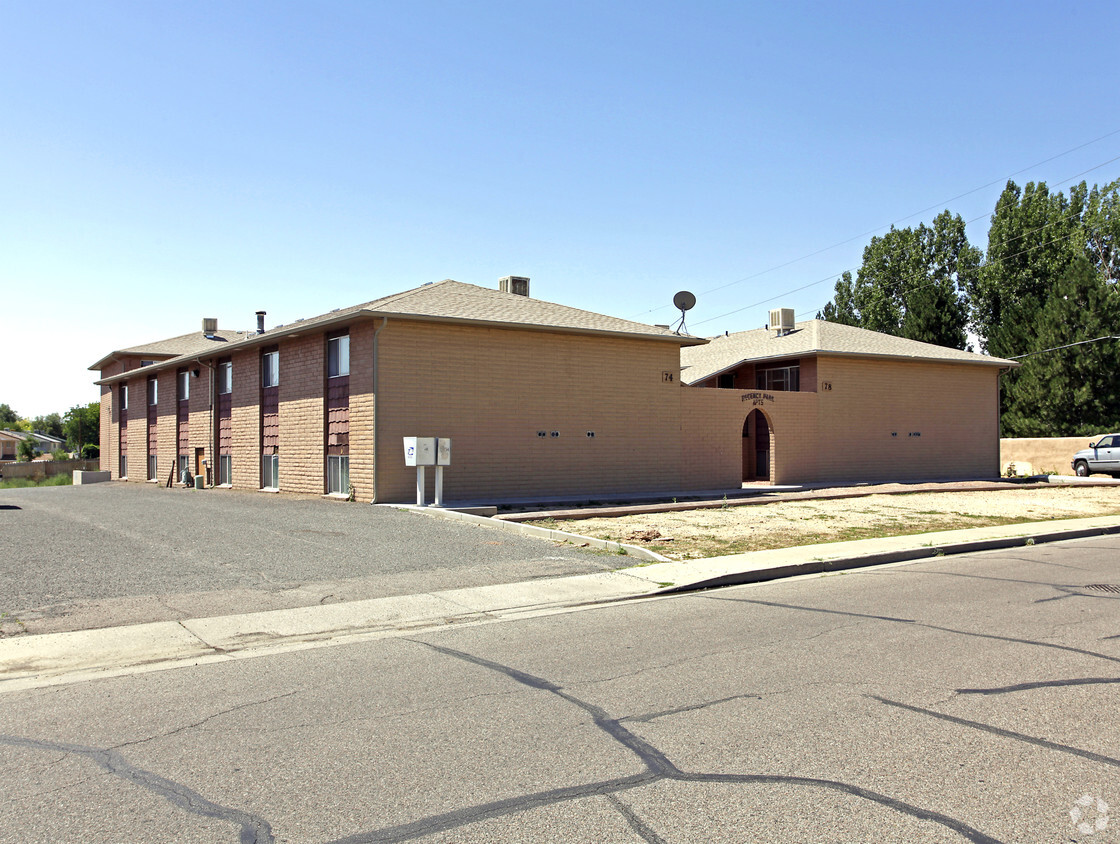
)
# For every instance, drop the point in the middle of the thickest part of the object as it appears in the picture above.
(781, 320)
(260, 321)
(209, 326)
(518, 284)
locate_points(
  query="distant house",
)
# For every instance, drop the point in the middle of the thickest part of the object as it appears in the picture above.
(540, 400)
(9, 444)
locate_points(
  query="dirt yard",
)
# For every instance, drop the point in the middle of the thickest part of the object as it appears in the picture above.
(734, 529)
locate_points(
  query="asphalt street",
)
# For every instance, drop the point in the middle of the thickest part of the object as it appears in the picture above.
(966, 698)
(81, 557)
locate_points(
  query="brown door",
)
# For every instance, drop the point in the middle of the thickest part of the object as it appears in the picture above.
(199, 456)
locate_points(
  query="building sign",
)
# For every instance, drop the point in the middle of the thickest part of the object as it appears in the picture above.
(757, 398)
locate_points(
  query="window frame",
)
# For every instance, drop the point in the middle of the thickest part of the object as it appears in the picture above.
(338, 356)
(765, 380)
(270, 366)
(183, 385)
(225, 378)
(153, 392)
(338, 474)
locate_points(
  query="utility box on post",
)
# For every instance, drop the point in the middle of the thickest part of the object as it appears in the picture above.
(419, 451)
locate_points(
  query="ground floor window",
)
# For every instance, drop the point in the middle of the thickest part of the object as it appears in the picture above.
(225, 469)
(184, 468)
(338, 473)
(153, 472)
(124, 467)
(270, 471)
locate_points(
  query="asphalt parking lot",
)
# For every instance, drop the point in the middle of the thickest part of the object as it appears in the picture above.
(75, 558)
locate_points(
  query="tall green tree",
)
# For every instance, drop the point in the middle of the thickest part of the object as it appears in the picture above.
(50, 424)
(1072, 390)
(912, 284)
(8, 417)
(82, 425)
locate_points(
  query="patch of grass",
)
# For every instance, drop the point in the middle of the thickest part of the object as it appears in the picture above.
(24, 483)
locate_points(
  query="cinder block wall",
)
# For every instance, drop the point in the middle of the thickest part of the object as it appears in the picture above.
(245, 420)
(166, 444)
(493, 390)
(302, 418)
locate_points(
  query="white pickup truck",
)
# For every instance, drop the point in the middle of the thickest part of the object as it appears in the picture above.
(1101, 456)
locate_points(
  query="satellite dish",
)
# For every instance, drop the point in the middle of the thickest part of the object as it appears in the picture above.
(684, 301)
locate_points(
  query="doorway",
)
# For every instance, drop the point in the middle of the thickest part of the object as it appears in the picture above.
(756, 447)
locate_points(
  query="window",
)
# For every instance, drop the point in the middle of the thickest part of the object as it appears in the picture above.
(124, 396)
(727, 381)
(338, 474)
(153, 472)
(270, 369)
(270, 471)
(225, 377)
(225, 470)
(785, 378)
(146, 362)
(153, 392)
(124, 467)
(184, 468)
(184, 379)
(338, 356)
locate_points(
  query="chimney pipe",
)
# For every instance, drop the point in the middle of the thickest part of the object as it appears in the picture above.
(260, 321)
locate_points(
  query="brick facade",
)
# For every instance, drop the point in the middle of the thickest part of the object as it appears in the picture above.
(539, 412)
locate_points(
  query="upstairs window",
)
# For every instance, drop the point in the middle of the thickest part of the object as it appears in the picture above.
(153, 392)
(781, 378)
(184, 380)
(124, 396)
(225, 378)
(338, 356)
(270, 369)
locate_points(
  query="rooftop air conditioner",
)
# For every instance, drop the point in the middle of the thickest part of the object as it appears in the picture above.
(781, 320)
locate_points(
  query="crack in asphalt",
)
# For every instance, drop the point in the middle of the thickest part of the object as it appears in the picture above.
(658, 768)
(636, 823)
(999, 731)
(644, 719)
(1041, 684)
(254, 830)
(953, 630)
(204, 721)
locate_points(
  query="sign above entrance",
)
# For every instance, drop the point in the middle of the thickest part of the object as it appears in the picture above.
(757, 398)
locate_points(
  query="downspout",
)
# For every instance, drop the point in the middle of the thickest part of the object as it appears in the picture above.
(376, 415)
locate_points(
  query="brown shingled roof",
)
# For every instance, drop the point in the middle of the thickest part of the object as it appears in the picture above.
(815, 337)
(443, 301)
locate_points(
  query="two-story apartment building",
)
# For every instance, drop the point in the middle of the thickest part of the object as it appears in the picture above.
(539, 399)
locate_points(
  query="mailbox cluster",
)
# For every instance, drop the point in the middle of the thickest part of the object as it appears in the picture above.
(427, 451)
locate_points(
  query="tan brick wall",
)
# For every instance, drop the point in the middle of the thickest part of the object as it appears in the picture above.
(245, 420)
(492, 390)
(362, 409)
(138, 428)
(302, 418)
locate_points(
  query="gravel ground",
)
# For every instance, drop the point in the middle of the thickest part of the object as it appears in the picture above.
(690, 534)
(92, 556)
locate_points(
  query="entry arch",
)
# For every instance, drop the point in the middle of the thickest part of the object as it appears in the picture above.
(758, 447)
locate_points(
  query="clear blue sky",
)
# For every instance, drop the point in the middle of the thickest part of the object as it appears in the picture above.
(165, 161)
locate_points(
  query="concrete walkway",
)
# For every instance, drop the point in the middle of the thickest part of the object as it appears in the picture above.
(49, 659)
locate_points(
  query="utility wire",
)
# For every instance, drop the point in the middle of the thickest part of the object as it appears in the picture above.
(872, 231)
(1066, 346)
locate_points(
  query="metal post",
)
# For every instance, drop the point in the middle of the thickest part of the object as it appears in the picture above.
(419, 486)
(439, 486)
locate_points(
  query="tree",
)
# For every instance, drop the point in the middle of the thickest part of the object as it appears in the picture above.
(50, 424)
(911, 284)
(27, 450)
(8, 417)
(1070, 391)
(82, 425)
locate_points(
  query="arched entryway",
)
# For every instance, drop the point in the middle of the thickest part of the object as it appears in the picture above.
(756, 447)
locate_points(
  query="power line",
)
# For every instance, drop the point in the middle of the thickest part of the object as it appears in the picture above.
(872, 231)
(1066, 346)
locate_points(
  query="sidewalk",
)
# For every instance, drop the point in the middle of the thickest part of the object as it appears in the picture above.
(49, 659)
